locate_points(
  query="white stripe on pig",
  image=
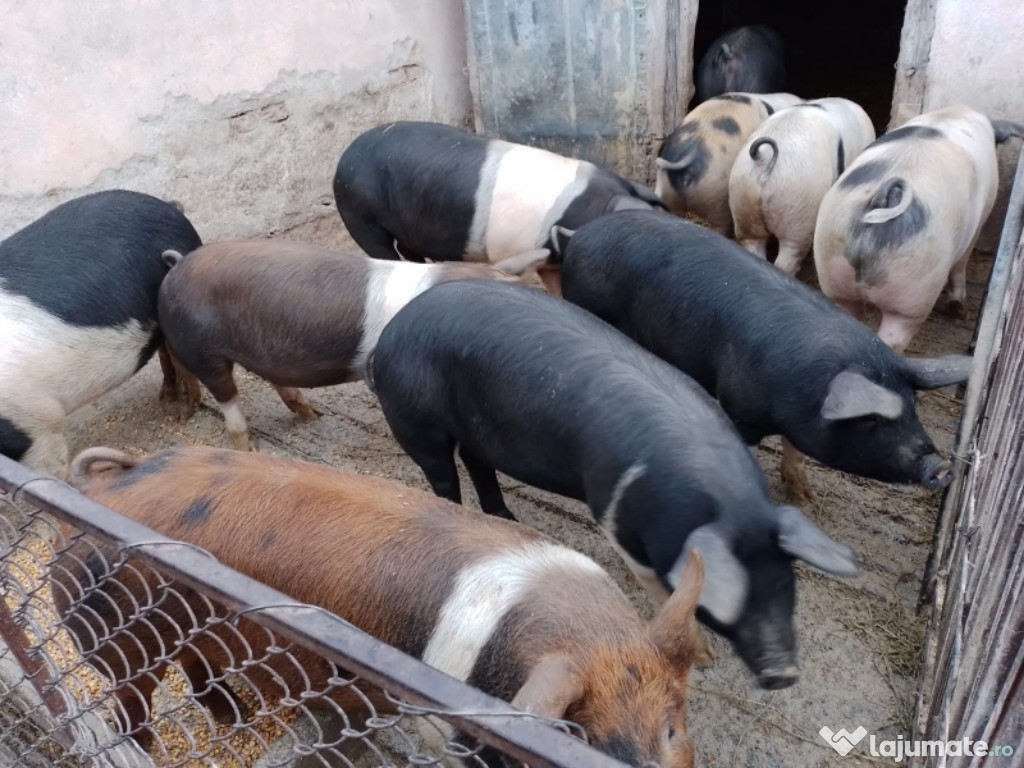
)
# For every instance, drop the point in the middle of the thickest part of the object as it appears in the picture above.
(389, 287)
(645, 574)
(522, 192)
(49, 368)
(485, 592)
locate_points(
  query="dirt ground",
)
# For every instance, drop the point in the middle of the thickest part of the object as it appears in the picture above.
(859, 639)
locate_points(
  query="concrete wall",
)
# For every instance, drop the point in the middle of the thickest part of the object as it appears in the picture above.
(975, 59)
(965, 51)
(238, 110)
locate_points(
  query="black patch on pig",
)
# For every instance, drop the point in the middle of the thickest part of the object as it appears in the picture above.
(413, 182)
(840, 157)
(727, 124)
(155, 340)
(496, 674)
(605, 192)
(493, 671)
(738, 98)
(694, 148)
(153, 465)
(685, 128)
(13, 442)
(621, 749)
(267, 540)
(198, 512)
(768, 108)
(868, 172)
(95, 261)
(871, 245)
(909, 132)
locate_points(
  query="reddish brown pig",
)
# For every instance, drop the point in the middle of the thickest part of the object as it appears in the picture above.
(486, 600)
(294, 314)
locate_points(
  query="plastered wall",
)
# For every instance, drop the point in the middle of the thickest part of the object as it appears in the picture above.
(974, 57)
(240, 110)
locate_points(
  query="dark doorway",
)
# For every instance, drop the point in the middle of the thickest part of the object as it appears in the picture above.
(842, 48)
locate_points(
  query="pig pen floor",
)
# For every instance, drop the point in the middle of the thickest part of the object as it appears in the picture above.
(859, 639)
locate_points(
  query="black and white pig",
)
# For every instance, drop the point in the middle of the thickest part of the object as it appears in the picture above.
(78, 291)
(900, 224)
(780, 357)
(695, 160)
(539, 389)
(784, 170)
(292, 313)
(750, 58)
(419, 191)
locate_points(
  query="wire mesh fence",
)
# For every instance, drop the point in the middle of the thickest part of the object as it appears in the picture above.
(119, 647)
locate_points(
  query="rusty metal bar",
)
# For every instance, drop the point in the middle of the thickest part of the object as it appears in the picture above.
(14, 637)
(482, 716)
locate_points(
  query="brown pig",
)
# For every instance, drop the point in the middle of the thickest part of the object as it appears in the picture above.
(488, 601)
(294, 314)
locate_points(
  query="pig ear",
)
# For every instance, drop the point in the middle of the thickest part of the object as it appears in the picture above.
(802, 539)
(851, 395)
(675, 629)
(551, 687)
(935, 372)
(521, 262)
(725, 579)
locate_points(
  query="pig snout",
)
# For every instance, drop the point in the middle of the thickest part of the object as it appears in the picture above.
(933, 471)
(775, 678)
(770, 656)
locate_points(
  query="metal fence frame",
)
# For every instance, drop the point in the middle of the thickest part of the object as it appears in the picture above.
(473, 712)
(972, 674)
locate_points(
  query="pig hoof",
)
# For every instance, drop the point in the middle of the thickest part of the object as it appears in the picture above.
(241, 442)
(168, 393)
(309, 413)
(958, 310)
(799, 488)
(704, 656)
(776, 679)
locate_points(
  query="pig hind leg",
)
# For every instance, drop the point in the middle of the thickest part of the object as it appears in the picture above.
(897, 330)
(756, 245)
(179, 384)
(297, 402)
(958, 288)
(791, 256)
(217, 376)
(48, 451)
(134, 699)
(794, 473)
(377, 241)
(434, 453)
(853, 307)
(485, 480)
